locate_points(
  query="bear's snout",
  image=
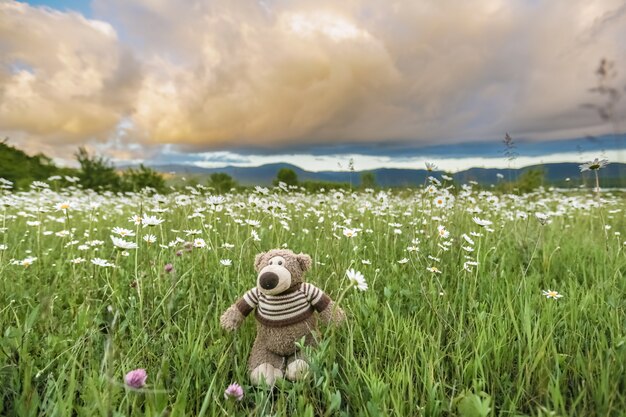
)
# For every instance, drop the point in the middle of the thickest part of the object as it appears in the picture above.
(274, 277)
(268, 280)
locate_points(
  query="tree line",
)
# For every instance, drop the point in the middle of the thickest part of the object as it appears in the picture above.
(94, 172)
(99, 174)
(222, 182)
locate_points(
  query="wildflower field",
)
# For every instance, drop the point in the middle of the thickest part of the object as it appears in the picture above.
(459, 302)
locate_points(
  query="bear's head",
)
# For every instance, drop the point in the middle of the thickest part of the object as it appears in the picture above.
(280, 270)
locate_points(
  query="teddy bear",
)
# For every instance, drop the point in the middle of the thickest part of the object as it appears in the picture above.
(284, 308)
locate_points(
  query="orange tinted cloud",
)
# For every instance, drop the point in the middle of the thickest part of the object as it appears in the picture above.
(217, 74)
(63, 78)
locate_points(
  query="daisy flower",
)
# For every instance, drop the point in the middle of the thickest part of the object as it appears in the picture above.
(542, 218)
(182, 200)
(431, 189)
(101, 262)
(216, 200)
(468, 265)
(594, 165)
(482, 222)
(226, 262)
(122, 244)
(39, 184)
(430, 166)
(150, 238)
(350, 232)
(467, 239)
(356, 279)
(434, 180)
(261, 190)
(26, 262)
(64, 206)
(253, 223)
(123, 232)
(440, 201)
(403, 261)
(552, 294)
(434, 269)
(443, 233)
(5, 184)
(199, 243)
(151, 221)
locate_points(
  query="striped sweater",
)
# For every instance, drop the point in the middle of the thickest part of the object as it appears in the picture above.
(284, 309)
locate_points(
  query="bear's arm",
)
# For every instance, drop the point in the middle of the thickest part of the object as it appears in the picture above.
(329, 311)
(236, 313)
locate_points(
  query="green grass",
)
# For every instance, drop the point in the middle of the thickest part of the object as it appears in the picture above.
(485, 342)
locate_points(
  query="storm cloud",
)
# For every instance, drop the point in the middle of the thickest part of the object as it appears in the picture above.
(215, 75)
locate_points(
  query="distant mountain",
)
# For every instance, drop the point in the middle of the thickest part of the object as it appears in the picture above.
(261, 175)
(552, 172)
(392, 177)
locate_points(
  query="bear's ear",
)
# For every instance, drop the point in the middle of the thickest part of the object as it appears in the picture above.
(258, 259)
(305, 261)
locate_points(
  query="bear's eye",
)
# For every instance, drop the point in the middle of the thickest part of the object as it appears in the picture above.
(271, 262)
(280, 262)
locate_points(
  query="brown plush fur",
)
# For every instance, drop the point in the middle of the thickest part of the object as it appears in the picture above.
(232, 318)
(276, 346)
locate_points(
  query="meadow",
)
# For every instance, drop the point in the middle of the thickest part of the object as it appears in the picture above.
(478, 303)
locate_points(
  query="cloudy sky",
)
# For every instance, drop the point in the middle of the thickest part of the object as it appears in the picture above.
(312, 82)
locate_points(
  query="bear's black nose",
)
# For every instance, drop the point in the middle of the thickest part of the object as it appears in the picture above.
(268, 280)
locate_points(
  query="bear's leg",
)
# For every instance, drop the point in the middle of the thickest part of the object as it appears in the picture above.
(297, 367)
(264, 366)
